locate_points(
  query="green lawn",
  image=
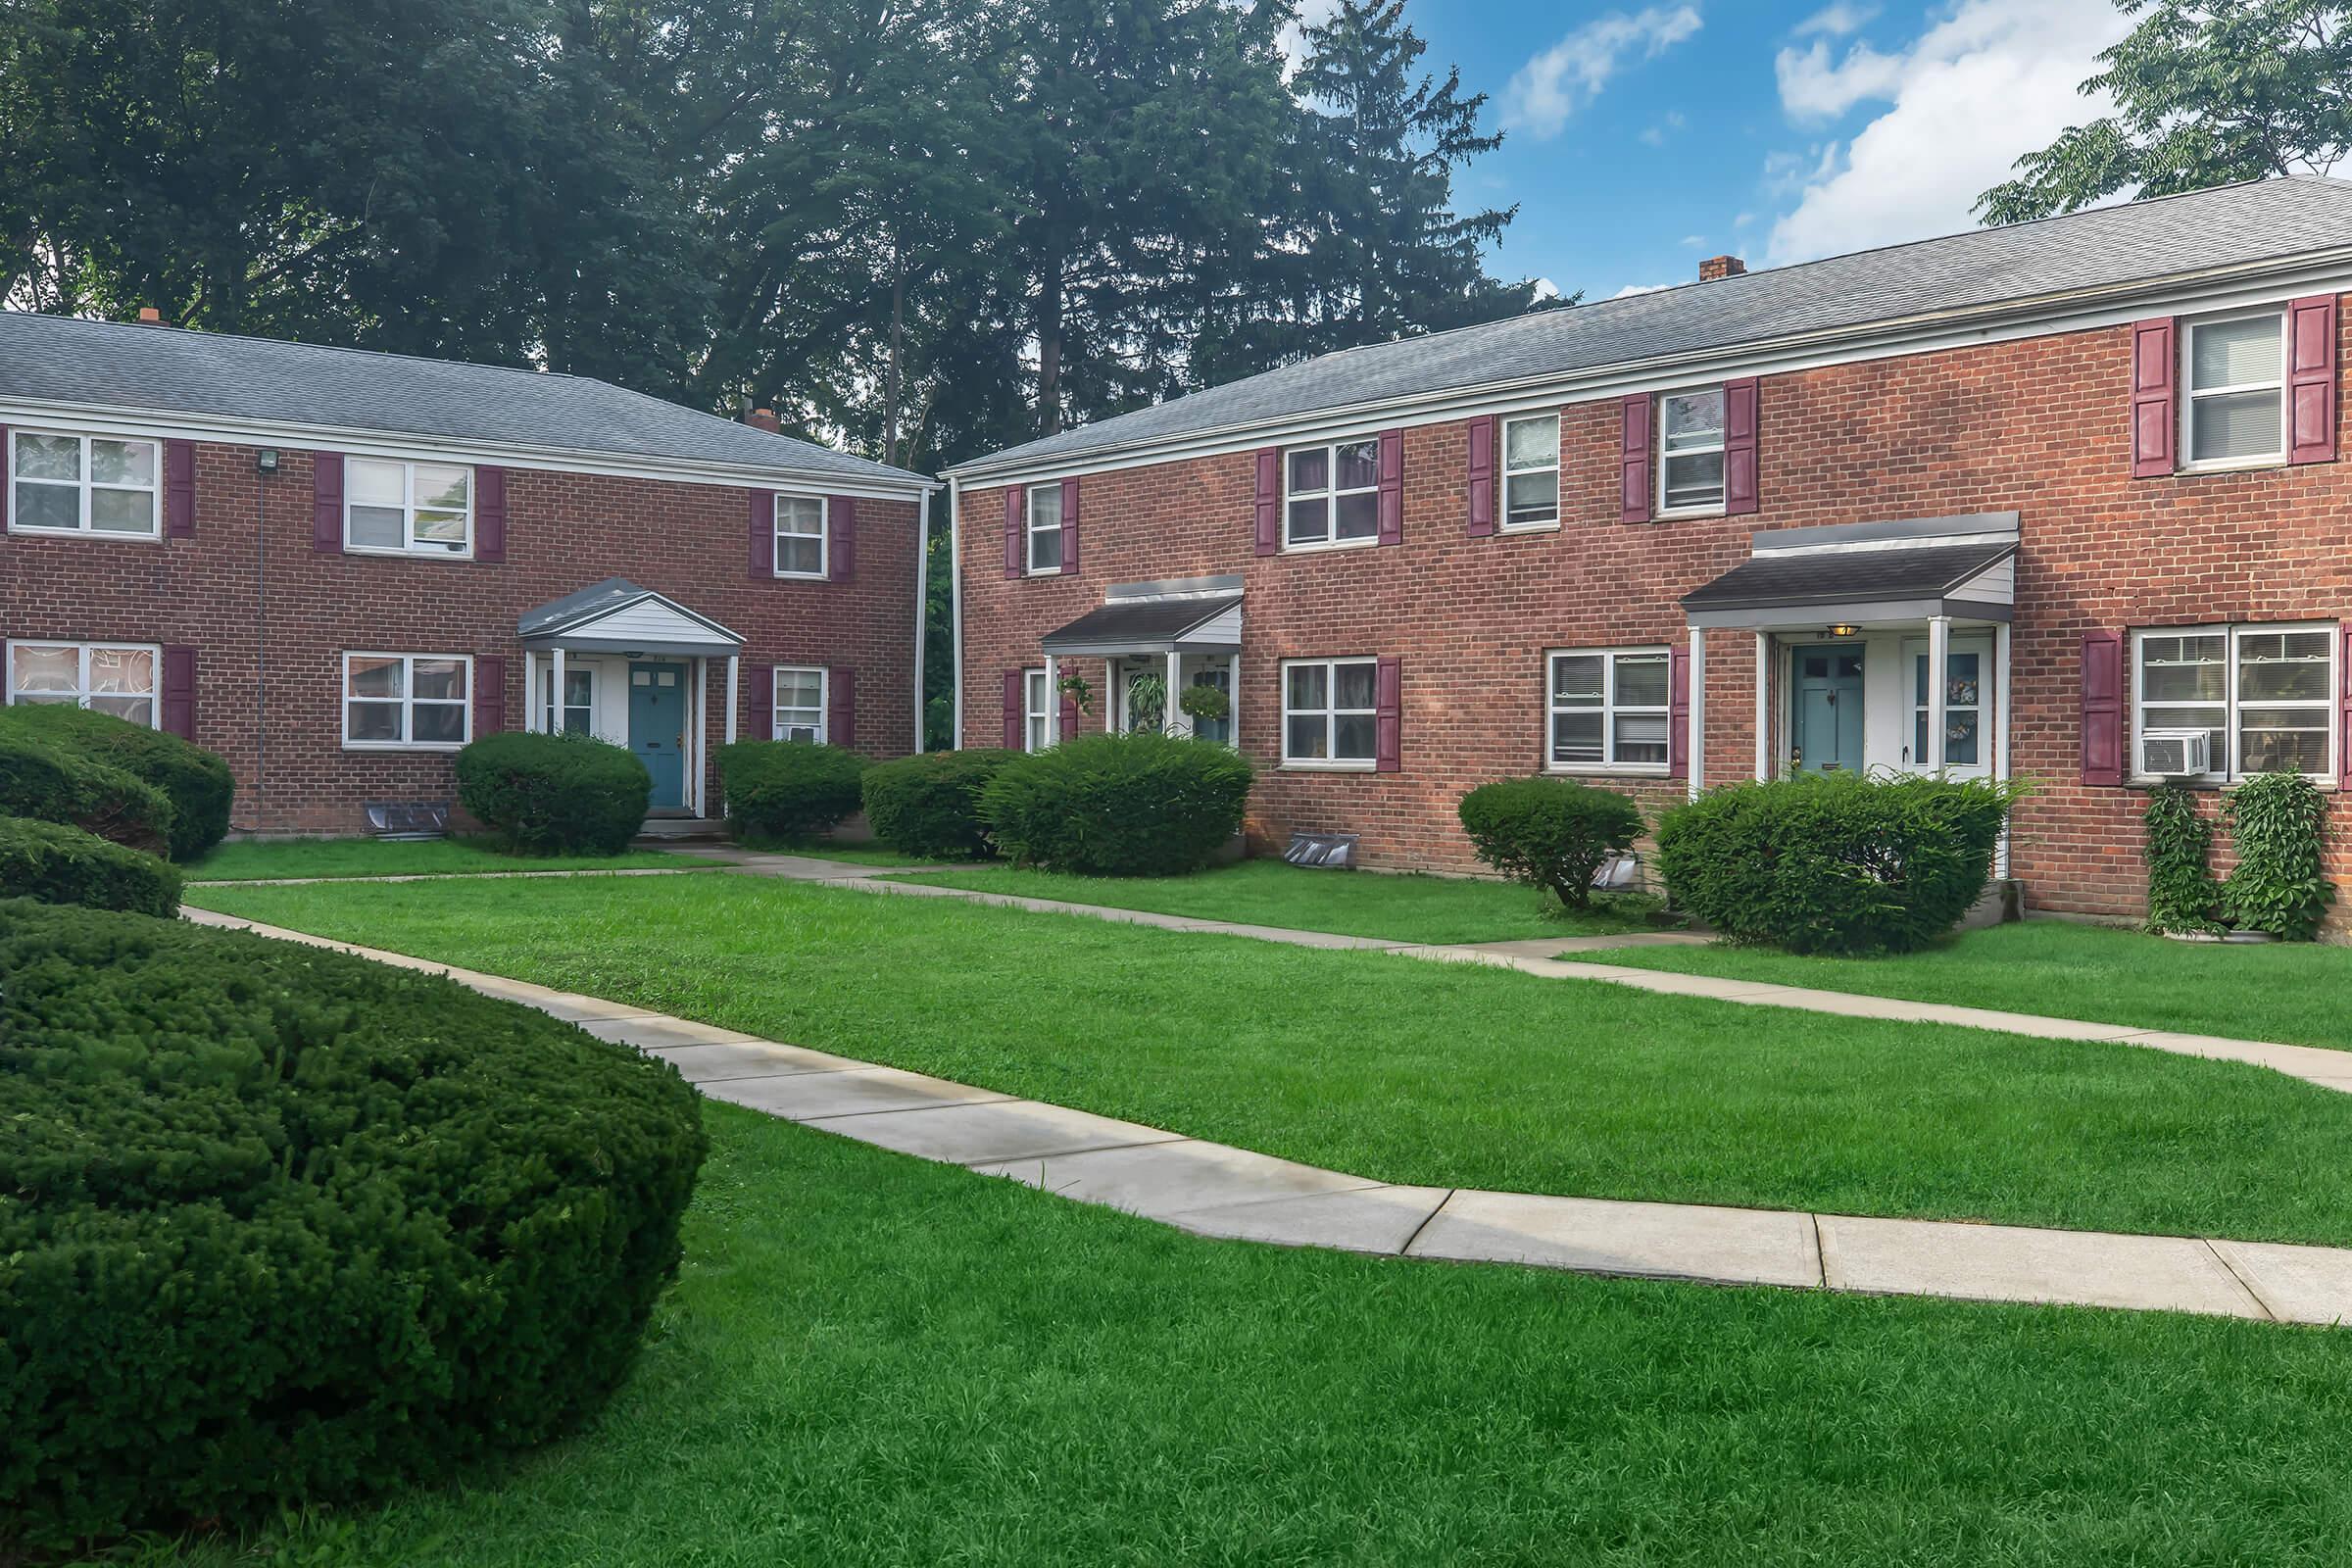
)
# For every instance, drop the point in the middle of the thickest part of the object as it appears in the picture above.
(244, 861)
(1409, 1071)
(1356, 903)
(2296, 993)
(869, 1361)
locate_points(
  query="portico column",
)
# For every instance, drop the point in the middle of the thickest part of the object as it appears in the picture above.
(1233, 700)
(533, 715)
(734, 679)
(1053, 705)
(1698, 711)
(1939, 660)
(1763, 706)
(1168, 713)
(2000, 734)
(557, 701)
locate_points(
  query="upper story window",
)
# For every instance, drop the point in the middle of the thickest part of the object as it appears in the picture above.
(1531, 461)
(2264, 695)
(1691, 451)
(2234, 370)
(406, 509)
(1609, 709)
(799, 704)
(108, 678)
(66, 483)
(800, 536)
(1033, 711)
(1329, 717)
(1044, 528)
(407, 701)
(1333, 492)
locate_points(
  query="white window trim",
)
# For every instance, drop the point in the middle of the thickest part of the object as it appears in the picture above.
(1030, 530)
(1711, 509)
(551, 709)
(1502, 496)
(84, 487)
(408, 549)
(2190, 393)
(1037, 729)
(1913, 651)
(155, 698)
(408, 702)
(1330, 496)
(1331, 715)
(823, 536)
(1608, 711)
(824, 701)
(2232, 771)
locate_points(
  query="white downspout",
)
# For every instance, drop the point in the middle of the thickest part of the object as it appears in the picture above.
(922, 600)
(956, 604)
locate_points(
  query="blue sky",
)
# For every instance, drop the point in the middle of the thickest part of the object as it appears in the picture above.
(1643, 137)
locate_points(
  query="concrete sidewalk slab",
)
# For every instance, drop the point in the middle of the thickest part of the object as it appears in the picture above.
(1177, 1177)
(2295, 1283)
(1362, 1219)
(655, 1032)
(813, 1096)
(992, 1131)
(717, 1061)
(1652, 1240)
(2012, 1263)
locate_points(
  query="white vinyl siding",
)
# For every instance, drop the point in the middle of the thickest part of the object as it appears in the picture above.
(1531, 471)
(800, 536)
(65, 482)
(2234, 391)
(1045, 529)
(406, 509)
(1608, 709)
(799, 704)
(1331, 493)
(1691, 451)
(1329, 717)
(406, 702)
(2266, 696)
(117, 678)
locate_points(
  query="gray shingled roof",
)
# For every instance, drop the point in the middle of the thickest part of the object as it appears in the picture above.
(2110, 246)
(1833, 577)
(159, 369)
(1141, 621)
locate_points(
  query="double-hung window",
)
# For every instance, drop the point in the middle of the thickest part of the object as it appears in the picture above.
(1045, 529)
(1609, 709)
(1329, 717)
(1691, 451)
(800, 536)
(1333, 494)
(1531, 463)
(67, 483)
(406, 509)
(577, 715)
(2234, 374)
(418, 702)
(799, 704)
(106, 677)
(1034, 696)
(2263, 695)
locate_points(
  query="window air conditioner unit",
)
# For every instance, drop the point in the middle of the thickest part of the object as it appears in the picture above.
(2174, 753)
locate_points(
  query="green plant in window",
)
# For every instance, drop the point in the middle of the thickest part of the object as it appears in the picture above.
(2277, 823)
(1147, 702)
(2182, 893)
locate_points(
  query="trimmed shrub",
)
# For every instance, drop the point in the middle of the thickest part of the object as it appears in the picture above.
(784, 791)
(1144, 805)
(51, 783)
(197, 782)
(1549, 832)
(1835, 863)
(2276, 823)
(929, 805)
(61, 864)
(285, 1227)
(552, 794)
(2182, 895)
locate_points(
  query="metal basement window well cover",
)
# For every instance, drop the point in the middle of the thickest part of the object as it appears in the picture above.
(1141, 625)
(1832, 577)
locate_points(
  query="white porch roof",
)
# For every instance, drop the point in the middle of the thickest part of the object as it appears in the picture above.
(619, 617)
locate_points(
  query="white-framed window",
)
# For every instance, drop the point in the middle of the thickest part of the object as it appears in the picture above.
(2265, 694)
(117, 678)
(578, 715)
(408, 702)
(1034, 696)
(1329, 717)
(406, 509)
(2233, 390)
(1608, 709)
(1045, 529)
(60, 481)
(1691, 451)
(1332, 494)
(1531, 471)
(800, 536)
(799, 704)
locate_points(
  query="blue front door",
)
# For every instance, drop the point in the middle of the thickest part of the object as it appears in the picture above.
(1827, 735)
(657, 728)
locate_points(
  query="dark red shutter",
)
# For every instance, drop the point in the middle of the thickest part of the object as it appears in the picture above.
(1632, 459)
(489, 695)
(841, 550)
(841, 706)
(8, 462)
(1069, 527)
(1068, 727)
(327, 503)
(2155, 416)
(490, 515)
(1017, 733)
(179, 692)
(1678, 713)
(2311, 379)
(760, 721)
(2102, 708)
(180, 489)
(2343, 731)
(1388, 710)
(1017, 542)
(1392, 487)
(760, 562)
(1269, 500)
(1481, 476)
(1739, 401)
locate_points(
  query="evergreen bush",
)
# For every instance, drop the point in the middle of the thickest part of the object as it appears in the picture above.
(786, 792)
(1141, 804)
(53, 783)
(198, 783)
(61, 864)
(555, 794)
(1549, 832)
(929, 805)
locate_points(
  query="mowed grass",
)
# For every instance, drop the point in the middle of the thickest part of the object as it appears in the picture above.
(1405, 1070)
(248, 861)
(869, 1361)
(2293, 992)
(1356, 903)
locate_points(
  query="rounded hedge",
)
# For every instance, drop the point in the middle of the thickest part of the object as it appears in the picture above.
(556, 793)
(1835, 863)
(782, 792)
(280, 1226)
(198, 783)
(61, 864)
(53, 783)
(1549, 832)
(1141, 804)
(929, 805)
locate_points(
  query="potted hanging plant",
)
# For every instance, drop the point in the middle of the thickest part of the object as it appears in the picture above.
(1204, 704)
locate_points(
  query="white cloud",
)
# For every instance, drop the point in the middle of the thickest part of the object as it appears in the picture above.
(1571, 74)
(1837, 19)
(1546, 289)
(1655, 136)
(1309, 12)
(1815, 87)
(1631, 289)
(1990, 81)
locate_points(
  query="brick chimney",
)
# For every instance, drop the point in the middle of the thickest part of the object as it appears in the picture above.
(764, 419)
(1715, 269)
(149, 316)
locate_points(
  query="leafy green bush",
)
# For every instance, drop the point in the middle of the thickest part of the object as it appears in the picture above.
(2276, 823)
(929, 805)
(284, 1227)
(1144, 805)
(51, 783)
(56, 863)
(2182, 895)
(784, 791)
(1835, 864)
(555, 794)
(1549, 832)
(197, 782)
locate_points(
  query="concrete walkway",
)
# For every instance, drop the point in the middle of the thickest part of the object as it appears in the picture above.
(1213, 1189)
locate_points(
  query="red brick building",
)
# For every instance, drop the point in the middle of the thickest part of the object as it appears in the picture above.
(335, 569)
(2086, 468)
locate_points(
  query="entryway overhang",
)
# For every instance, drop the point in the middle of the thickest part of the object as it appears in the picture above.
(1183, 616)
(619, 617)
(1868, 575)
